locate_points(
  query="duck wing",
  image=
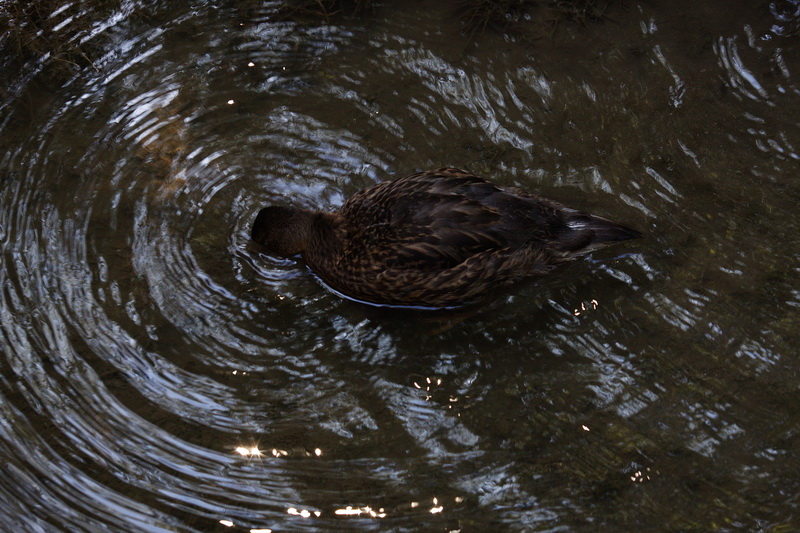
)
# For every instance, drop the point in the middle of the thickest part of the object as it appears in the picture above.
(434, 220)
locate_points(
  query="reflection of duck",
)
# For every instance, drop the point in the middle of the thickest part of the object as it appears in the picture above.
(438, 238)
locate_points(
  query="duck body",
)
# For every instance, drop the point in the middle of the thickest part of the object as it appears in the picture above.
(439, 238)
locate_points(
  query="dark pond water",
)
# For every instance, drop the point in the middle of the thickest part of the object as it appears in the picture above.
(159, 373)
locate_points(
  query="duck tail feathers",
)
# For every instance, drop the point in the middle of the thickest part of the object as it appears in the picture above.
(586, 233)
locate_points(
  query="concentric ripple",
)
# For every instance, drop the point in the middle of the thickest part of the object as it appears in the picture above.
(159, 372)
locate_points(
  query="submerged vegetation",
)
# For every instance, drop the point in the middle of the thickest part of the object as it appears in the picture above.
(66, 35)
(505, 15)
(582, 11)
(314, 9)
(50, 30)
(475, 16)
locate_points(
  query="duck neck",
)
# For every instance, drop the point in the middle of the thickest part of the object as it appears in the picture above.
(325, 235)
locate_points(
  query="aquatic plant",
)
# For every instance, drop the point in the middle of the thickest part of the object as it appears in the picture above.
(49, 30)
(315, 9)
(477, 15)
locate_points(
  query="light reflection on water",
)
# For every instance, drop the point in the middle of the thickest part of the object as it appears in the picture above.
(160, 372)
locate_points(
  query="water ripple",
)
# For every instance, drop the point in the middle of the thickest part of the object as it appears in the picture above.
(160, 372)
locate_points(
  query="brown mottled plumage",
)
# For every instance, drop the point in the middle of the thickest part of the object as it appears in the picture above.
(439, 238)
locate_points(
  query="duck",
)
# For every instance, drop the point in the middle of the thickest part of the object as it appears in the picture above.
(442, 238)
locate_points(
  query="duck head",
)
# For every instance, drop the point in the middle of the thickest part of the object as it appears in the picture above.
(283, 231)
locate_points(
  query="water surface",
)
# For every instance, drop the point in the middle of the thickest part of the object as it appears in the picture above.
(159, 372)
